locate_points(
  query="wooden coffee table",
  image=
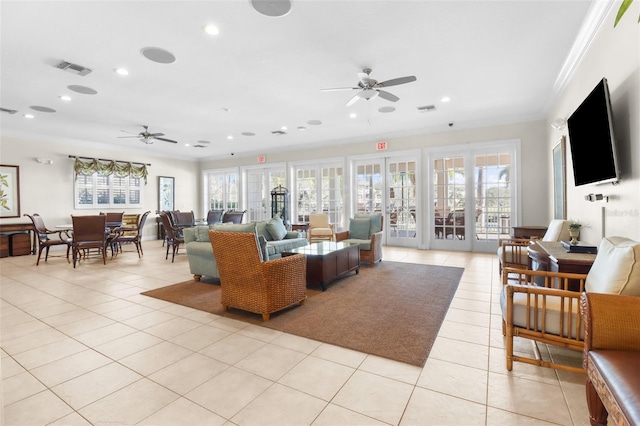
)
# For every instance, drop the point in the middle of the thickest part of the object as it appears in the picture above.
(327, 261)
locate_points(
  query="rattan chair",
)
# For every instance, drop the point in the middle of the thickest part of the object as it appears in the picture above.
(45, 240)
(252, 285)
(89, 232)
(173, 236)
(214, 216)
(539, 306)
(128, 235)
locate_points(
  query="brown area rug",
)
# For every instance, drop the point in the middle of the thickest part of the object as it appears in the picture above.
(393, 310)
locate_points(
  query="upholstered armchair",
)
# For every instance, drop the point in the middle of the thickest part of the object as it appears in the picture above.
(512, 252)
(251, 284)
(539, 306)
(612, 357)
(319, 227)
(366, 231)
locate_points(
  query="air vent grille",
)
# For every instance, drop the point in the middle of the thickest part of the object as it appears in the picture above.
(73, 68)
(426, 108)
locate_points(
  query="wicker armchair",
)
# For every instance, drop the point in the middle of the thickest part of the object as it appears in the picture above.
(252, 285)
(369, 239)
(538, 305)
(612, 357)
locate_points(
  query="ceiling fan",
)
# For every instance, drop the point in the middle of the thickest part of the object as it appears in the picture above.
(368, 88)
(147, 137)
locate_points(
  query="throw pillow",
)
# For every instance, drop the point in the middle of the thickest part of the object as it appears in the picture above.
(276, 228)
(616, 269)
(376, 221)
(261, 228)
(359, 228)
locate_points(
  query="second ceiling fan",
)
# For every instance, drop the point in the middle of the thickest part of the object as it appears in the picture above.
(368, 88)
(147, 137)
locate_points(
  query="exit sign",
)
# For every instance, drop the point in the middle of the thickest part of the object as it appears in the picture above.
(381, 146)
(262, 159)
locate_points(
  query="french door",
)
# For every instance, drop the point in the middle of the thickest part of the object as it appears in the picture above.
(389, 186)
(473, 196)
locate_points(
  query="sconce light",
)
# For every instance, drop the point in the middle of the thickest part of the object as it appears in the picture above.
(597, 197)
(44, 161)
(559, 123)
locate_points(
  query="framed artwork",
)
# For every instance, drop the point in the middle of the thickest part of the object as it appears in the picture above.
(560, 180)
(9, 191)
(166, 194)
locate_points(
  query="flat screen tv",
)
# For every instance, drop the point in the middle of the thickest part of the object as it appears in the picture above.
(591, 138)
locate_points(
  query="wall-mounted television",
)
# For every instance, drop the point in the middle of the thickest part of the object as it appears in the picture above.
(591, 138)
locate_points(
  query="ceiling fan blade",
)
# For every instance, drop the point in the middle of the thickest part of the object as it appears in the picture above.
(165, 139)
(388, 96)
(121, 137)
(339, 88)
(353, 100)
(153, 135)
(131, 133)
(396, 81)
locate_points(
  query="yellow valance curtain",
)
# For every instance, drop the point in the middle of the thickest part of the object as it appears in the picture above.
(103, 167)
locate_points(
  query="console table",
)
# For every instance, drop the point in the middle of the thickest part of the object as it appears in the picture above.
(551, 256)
(529, 232)
(17, 239)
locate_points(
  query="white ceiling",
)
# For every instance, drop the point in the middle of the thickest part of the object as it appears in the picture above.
(498, 61)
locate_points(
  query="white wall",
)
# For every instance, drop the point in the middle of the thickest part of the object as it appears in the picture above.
(615, 54)
(48, 189)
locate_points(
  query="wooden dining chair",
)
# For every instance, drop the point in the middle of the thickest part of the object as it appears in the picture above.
(173, 238)
(128, 235)
(48, 238)
(89, 232)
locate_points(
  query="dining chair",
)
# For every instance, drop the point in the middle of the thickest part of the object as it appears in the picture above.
(89, 232)
(129, 235)
(214, 216)
(45, 240)
(233, 216)
(172, 236)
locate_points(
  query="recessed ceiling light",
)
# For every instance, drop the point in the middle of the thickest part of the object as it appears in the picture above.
(186, 144)
(65, 98)
(211, 29)
(248, 134)
(203, 141)
(353, 115)
(29, 116)
(230, 137)
(445, 99)
(386, 109)
(314, 122)
(283, 128)
(122, 71)
(158, 55)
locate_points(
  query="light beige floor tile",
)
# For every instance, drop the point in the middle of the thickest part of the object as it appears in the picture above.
(459, 352)
(188, 373)
(127, 345)
(154, 358)
(129, 405)
(9, 367)
(48, 353)
(94, 385)
(317, 377)
(126, 313)
(73, 419)
(526, 397)
(480, 319)
(233, 348)
(575, 396)
(32, 340)
(497, 364)
(392, 369)
(496, 417)
(20, 386)
(427, 407)
(149, 319)
(200, 337)
(72, 366)
(112, 305)
(454, 379)
(183, 412)
(87, 325)
(105, 334)
(280, 405)
(296, 343)
(334, 415)
(465, 332)
(22, 329)
(68, 317)
(260, 333)
(344, 356)
(270, 361)
(374, 396)
(172, 328)
(228, 392)
(39, 409)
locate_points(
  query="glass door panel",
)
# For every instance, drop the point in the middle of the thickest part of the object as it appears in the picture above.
(401, 223)
(449, 186)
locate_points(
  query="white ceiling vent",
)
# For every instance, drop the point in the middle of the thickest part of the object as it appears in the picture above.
(426, 108)
(73, 68)
(9, 111)
(279, 132)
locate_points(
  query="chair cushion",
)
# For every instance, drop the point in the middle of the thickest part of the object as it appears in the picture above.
(558, 230)
(376, 221)
(359, 228)
(616, 269)
(276, 228)
(261, 229)
(318, 221)
(511, 257)
(234, 227)
(362, 244)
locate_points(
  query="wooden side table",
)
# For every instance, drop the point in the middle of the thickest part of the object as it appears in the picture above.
(301, 226)
(551, 256)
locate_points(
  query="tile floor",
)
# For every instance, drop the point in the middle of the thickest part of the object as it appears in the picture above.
(82, 346)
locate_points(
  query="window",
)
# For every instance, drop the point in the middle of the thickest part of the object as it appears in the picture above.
(99, 191)
(260, 182)
(223, 190)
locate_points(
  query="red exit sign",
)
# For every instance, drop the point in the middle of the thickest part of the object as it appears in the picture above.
(381, 146)
(262, 159)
